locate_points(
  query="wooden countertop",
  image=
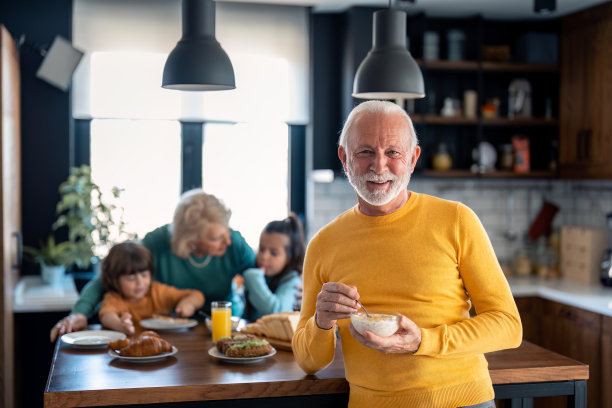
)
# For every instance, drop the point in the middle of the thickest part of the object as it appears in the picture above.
(94, 378)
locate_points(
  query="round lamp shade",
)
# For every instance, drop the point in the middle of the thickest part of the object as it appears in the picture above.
(198, 65)
(389, 71)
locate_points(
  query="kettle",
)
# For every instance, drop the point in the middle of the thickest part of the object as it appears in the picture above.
(606, 263)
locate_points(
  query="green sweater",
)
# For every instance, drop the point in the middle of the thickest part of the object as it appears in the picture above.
(214, 280)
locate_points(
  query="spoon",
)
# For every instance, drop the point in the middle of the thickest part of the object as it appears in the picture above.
(364, 309)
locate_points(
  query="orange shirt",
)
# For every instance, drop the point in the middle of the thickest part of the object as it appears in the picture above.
(160, 299)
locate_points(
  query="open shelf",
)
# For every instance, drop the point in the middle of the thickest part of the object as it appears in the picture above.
(430, 119)
(487, 66)
(490, 174)
(519, 122)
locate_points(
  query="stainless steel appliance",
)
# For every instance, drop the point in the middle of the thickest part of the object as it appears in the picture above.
(606, 264)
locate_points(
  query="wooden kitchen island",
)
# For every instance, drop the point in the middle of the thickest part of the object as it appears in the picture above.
(87, 378)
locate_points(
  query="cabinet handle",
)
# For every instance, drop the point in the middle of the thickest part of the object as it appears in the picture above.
(19, 238)
(579, 145)
(587, 144)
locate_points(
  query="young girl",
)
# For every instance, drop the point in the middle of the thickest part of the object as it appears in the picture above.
(271, 287)
(131, 296)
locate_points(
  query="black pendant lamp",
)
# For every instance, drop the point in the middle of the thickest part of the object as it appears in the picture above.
(389, 71)
(198, 63)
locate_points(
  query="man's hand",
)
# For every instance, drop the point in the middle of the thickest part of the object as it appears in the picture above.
(68, 324)
(406, 339)
(335, 301)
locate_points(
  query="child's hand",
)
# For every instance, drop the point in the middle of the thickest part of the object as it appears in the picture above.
(185, 309)
(127, 324)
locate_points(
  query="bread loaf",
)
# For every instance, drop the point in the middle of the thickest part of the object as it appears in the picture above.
(279, 326)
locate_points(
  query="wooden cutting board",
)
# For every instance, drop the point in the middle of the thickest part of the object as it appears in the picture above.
(279, 344)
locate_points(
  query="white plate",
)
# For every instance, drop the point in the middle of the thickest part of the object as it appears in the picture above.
(214, 352)
(162, 324)
(91, 338)
(146, 359)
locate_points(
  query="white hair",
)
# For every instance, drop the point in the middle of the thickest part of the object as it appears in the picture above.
(375, 106)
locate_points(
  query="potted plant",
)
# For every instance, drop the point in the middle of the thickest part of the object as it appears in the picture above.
(52, 258)
(93, 224)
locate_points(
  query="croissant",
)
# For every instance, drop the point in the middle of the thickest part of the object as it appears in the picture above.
(147, 344)
(119, 344)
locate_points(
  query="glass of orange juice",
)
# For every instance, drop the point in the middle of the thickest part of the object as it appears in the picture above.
(221, 312)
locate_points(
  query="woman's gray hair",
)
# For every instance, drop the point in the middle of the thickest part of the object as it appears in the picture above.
(375, 106)
(194, 212)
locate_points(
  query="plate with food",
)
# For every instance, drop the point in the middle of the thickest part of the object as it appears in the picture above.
(144, 359)
(148, 347)
(88, 339)
(242, 349)
(167, 323)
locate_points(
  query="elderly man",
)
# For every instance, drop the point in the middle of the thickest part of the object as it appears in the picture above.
(426, 258)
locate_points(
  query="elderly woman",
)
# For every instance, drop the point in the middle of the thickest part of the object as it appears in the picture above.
(197, 251)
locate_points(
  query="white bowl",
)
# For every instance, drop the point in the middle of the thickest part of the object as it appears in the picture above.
(383, 324)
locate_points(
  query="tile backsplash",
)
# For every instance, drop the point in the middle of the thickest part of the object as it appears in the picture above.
(505, 207)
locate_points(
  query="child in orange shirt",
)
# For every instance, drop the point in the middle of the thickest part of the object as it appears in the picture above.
(132, 296)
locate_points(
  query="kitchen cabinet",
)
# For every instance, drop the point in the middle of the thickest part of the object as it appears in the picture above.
(341, 41)
(574, 333)
(586, 94)
(10, 205)
(606, 362)
(529, 309)
(490, 80)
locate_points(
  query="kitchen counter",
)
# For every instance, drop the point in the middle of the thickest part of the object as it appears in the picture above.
(33, 295)
(594, 298)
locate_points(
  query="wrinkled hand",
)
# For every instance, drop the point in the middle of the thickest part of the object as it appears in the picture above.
(68, 324)
(335, 301)
(127, 324)
(406, 339)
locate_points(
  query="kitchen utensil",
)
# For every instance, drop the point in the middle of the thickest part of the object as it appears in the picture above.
(510, 234)
(541, 225)
(364, 309)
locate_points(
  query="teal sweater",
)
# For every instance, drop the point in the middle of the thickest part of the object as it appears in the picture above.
(260, 298)
(214, 280)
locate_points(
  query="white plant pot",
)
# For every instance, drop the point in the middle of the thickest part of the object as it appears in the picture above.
(53, 274)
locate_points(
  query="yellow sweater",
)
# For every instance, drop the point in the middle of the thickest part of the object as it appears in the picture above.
(428, 261)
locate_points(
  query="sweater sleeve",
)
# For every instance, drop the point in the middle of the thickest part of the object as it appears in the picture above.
(263, 299)
(89, 298)
(312, 346)
(244, 253)
(497, 323)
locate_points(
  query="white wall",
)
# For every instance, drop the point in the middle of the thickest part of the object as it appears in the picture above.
(581, 203)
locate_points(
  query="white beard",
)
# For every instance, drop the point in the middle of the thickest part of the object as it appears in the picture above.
(377, 197)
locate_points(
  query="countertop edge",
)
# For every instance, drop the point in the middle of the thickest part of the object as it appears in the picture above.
(594, 298)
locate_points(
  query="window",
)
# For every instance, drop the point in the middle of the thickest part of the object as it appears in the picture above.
(143, 158)
(246, 165)
(136, 130)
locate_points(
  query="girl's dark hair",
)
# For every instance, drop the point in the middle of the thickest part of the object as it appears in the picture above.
(291, 227)
(125, 258)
